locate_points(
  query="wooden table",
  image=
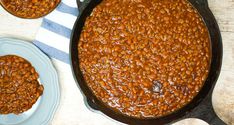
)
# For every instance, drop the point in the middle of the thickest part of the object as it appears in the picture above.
(223, 96)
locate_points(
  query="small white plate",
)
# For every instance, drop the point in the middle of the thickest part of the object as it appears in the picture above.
(43, 111)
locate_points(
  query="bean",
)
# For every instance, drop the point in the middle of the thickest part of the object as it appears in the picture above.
(155, 53)
(18, 80)
(30, 8)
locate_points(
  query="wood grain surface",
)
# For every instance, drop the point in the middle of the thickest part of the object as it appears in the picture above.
(223, 96)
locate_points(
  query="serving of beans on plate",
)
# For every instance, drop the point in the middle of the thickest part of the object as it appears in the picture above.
(145, 58)
(19, 85)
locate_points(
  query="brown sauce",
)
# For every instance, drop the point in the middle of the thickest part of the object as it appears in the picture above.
(29, 8)
(19, 86)
(145, 58)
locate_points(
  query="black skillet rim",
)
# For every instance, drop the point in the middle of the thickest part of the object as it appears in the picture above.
(216, 61)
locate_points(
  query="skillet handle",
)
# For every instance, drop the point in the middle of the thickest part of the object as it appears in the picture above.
(81, 4)
(206, 112)
(91, 104)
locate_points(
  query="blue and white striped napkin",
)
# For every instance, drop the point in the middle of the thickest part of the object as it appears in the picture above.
(53, 38)
(54, 35)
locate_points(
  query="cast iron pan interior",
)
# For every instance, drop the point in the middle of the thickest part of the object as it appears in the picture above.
(199, 107)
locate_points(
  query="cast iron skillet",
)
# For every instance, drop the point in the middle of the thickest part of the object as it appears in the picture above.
(200, 107)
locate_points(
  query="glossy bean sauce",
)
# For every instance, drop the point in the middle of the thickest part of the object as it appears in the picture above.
(29, 8)
(19, 86)
(144, 58)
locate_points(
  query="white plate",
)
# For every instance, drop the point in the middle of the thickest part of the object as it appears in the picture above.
(43, 111)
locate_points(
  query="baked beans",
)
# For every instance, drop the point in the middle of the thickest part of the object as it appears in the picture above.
(144, 58)
(19, 86)
(29, 8)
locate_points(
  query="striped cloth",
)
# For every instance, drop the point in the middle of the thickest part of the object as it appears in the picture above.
(54, 35)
